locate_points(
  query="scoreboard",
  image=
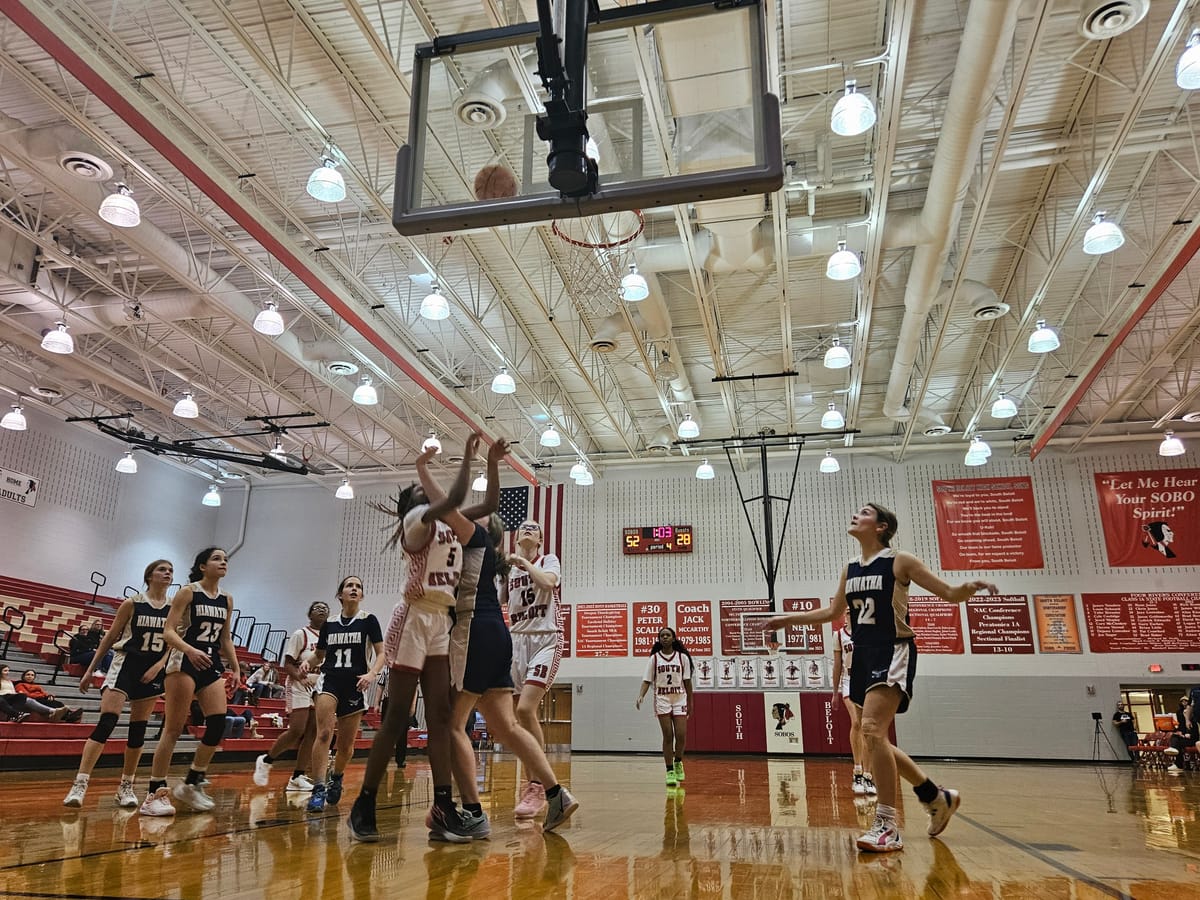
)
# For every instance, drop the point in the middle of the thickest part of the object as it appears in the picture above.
(656, 539)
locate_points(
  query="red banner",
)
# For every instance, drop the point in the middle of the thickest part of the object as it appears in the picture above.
(1143, 623)
(937, 624)
(601, 629)
(1000, 624)
(803, 638)
(566, 628)
(648, 620)
(1058, 629)
(1150, 518)
(987, 523)
(693, 626)
(731, 626)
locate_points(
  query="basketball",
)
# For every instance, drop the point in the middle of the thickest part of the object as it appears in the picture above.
(494, 182)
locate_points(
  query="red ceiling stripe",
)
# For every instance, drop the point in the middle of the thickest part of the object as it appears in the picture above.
(41, 33)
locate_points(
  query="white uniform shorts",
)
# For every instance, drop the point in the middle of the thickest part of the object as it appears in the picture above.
(670, 705)
(417, 630)
(535, 659)
(844, 685)
(300, 693)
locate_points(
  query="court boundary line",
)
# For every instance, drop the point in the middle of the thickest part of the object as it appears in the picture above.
(1048, 860)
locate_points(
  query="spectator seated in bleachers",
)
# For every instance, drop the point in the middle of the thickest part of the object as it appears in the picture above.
(15, 701)
(85, 643)
(30, 688)
(236, 725)
(1187, 732)
(265, 682)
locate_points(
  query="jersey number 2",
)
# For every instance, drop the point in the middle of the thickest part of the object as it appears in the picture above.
(866, 610)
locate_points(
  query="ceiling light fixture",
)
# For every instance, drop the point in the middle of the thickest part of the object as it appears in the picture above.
(689, 428)
(127, 465)
(1103, 236)
(577, 470)
(585, 479)
(832, 419)
(1187, 70)
(634, 286)
(435, 307)
(1043, 340)
(480, 483)
(186, 408)
(326, 183)
(705, 472)
(837, 356)
(56, 340)
(345, 490)
(432, 441)
(550, 437)
(503, 382)
(829, 464)
(365, 394)
(213, 497)
(1003, 408)
(853, 114)
(14, 419)
(1171, 445)
(269, 321)
(277, 451)
(977, 453)
(843, 264)
(120, 209)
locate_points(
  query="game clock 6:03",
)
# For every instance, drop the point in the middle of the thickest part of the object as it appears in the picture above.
(656, 539)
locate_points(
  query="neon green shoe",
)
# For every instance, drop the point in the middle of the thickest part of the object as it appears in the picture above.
(679, 770)
(672, 779)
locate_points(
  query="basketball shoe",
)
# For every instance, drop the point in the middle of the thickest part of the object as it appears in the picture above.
(126, 796)
(78, 791)
(533, 801)
(940, 809)
(882, 838)
(362, 819)
(559, 808)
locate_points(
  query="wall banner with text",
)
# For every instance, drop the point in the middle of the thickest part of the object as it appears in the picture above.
(18, 487)
(1150, 518)
(601, 629)
(987, 523)
(938, 624)
(731, 626)
(565, 643)
(1000, 624)
(803, 638)
(648, 620)
(1057, 626)
(693, 626)
(1167, 622)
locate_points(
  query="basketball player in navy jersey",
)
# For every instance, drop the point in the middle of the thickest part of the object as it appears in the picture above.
(481, 655)
(875, 590)
(197, 635)
(135, 674)
(341, 657)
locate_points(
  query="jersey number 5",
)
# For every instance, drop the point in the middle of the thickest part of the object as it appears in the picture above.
(152, 642)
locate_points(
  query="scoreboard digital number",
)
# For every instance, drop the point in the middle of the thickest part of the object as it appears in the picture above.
(657, 539)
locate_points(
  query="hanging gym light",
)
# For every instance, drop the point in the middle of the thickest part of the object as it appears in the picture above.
(365, 394)
(634, 286)
(705, 472)
(1103, 236)
(550, 437)
(843, 264)
(186, 408)
(1187, 70)
(120, 209)
(56, 340)
(435, 307)
(689, 428)
(837, 356)
(577, 470)
(503, 382)
(1171, 445)
(269, 321)
(213, 497)
(326, 183)
(829, 464)
(345, 490)
(14, 419)
(853, 114)
(1003, 408)
(832, 419)
(432, 441)
(127, 465)
(1043, 339)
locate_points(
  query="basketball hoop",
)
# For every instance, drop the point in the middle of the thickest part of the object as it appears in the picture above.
(595, 255)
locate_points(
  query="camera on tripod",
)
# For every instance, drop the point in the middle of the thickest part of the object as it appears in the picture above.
(1097, 716)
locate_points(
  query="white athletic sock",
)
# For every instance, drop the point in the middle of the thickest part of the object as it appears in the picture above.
(858, 770)
(886, 813)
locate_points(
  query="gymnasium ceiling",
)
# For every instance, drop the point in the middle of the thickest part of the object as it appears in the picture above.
(1001, 131)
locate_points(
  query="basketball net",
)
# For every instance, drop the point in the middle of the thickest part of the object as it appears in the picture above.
(594, 254)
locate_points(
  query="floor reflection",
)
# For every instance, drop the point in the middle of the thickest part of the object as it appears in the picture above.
(738, 828)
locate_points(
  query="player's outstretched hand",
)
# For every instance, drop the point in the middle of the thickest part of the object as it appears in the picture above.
(775, 623)
(426, 454)
(498, 450)
(983, 586)
(472, 448)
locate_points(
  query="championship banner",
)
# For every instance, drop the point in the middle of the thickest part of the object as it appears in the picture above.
(987, 523)
(732, 641)
(1000, 624)
(936, 623)
(1167, 622)
(693, 626)
(648, 620)
(601, 629)
(1150, 518)
(1057, 627)
(18, 487)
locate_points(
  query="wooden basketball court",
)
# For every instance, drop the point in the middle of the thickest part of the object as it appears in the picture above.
(741, 828)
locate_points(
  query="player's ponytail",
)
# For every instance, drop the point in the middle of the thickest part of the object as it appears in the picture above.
(402, 503)
(495, 529)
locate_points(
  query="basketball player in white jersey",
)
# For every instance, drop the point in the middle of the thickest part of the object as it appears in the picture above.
(298, 659)
(417, 646)
(669, 672)
(843, 656)
(874, 589)
(532, 593)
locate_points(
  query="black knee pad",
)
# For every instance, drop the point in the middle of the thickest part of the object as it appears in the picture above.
(104, 728)
(214, 730)
(137, 735)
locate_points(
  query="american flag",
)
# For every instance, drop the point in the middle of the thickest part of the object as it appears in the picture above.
(543, 504)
